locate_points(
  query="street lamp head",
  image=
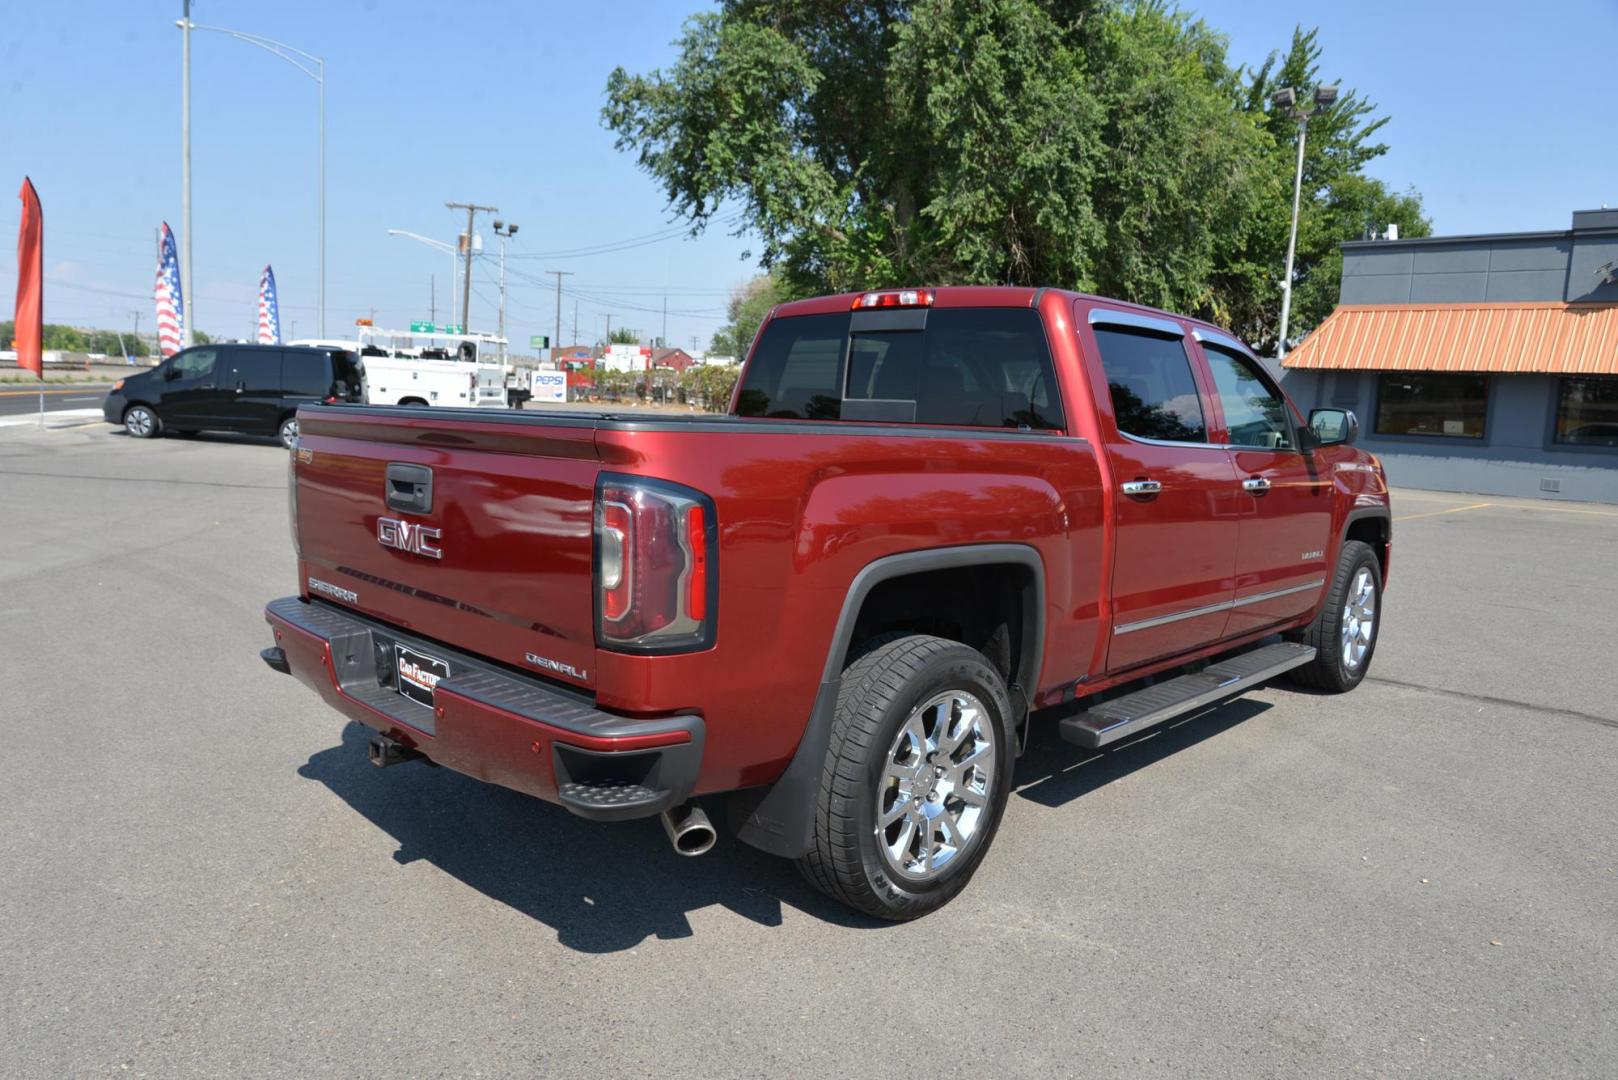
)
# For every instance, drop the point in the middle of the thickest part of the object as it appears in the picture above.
(498, 224)
(1284, 99)
(511, 230)
(1325, 95)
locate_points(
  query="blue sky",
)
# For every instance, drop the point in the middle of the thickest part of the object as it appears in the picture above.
(1501, 119)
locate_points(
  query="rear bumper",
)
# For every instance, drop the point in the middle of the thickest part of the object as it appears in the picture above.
(486, 721)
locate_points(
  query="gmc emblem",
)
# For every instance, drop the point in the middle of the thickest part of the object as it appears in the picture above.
(416, 539)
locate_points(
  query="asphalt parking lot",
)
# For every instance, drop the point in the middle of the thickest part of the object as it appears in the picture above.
(200, 874)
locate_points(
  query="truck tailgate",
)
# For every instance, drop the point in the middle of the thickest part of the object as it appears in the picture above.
(498, 563)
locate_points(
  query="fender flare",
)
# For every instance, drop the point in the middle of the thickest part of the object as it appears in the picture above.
(779, 819)
(1361, 513)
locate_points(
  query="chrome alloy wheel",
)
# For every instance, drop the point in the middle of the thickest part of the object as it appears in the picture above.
(139, 421)
(1358, 623)
(289, 433)
(934, 795)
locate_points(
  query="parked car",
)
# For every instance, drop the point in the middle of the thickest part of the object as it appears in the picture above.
(252, 389)
(932, 519)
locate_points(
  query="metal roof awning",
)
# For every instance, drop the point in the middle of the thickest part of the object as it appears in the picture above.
(1516, 338)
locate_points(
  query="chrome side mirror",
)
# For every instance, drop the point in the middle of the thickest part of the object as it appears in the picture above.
(1333, 427)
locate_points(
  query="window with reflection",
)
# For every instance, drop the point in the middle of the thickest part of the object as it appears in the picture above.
(1432, 404)
(1255, 412)
(1154, 394)
(1587, 412)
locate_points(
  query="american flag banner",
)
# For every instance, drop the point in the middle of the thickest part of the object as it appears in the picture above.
(269, 313)
(170, 304)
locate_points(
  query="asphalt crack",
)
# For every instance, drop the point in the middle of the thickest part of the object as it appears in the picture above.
(1489, 699)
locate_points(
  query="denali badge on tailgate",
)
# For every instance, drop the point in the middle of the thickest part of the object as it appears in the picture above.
(416, 539)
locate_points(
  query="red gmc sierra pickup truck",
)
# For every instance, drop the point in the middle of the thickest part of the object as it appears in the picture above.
(932, 517)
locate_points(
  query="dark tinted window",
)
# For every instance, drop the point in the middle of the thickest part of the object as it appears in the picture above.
(983, 367)
(1154, 395)
(1587, 412)
(794, 371)
(306, 374)
(1255, 411)
(1416, 403)
(255, 369)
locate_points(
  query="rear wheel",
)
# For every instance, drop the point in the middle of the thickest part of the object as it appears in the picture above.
(917, 776)
(1344, 632)
(141, 422)
(288, 432)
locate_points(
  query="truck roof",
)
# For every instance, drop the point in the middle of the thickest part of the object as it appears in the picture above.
(949, 296)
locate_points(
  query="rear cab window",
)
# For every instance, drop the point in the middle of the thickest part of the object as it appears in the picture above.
(967, 367)
(1154, 393)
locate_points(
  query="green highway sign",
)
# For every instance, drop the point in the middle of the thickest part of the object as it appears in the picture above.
(435, 328)
(539, 341)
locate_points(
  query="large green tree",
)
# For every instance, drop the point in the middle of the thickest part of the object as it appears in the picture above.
(1094, 144)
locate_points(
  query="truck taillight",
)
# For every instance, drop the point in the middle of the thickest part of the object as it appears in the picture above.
(655, 554)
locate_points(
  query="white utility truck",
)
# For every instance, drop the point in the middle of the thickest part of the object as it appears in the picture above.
(417, 368)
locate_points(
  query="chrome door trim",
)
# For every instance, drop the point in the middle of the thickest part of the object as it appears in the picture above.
(1164, 620)
(1259, 598)
(1113, 317)
(1212, 609)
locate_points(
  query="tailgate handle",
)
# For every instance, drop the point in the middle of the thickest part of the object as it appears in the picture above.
(410, 488)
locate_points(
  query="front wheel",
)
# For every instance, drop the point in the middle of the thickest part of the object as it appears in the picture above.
(1344, 632)
(141, 422)
(917, 775)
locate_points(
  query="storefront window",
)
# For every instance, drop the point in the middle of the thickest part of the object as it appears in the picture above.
(1587, 412)
(1419, 403)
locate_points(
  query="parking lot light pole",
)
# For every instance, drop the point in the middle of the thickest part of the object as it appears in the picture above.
(505, 232)
(312, 66)
(1287, 99)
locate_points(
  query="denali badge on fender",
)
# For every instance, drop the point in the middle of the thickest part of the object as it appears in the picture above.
(416, 539)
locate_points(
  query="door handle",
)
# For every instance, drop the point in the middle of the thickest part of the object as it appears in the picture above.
(1258, 485)
(1138, 488)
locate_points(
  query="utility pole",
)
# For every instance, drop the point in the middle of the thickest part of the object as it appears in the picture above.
(575, 322)
(466, 284)
(556, 346)
(187, 290)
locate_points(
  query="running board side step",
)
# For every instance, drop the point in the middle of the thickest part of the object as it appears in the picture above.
(1151, 705)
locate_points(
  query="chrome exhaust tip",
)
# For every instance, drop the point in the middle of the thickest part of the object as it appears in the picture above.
(689, 829)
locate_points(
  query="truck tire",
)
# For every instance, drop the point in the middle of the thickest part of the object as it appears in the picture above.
(1344, 630)
(917, 775)
(287, 432)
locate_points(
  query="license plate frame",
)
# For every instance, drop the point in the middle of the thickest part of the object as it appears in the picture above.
(418, 673)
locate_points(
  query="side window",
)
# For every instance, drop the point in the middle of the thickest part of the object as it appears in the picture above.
(1154, 394)
(195, 363)
(796, 369)
(1255, 411)
(305, 374)
(254, 369)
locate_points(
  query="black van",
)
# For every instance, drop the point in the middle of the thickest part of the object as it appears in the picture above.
(253, 389)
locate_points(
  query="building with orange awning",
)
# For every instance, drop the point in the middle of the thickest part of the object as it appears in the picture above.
(1483, 364)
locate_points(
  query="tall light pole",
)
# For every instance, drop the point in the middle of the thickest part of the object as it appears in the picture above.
(298, 59)
(1288, 99)
(504, 232)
